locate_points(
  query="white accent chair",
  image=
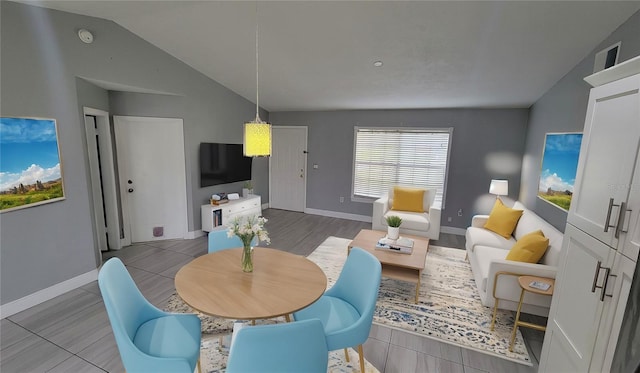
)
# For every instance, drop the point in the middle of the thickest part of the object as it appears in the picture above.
(425, 224)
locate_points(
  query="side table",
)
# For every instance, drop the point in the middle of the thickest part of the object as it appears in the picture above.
(525, 283)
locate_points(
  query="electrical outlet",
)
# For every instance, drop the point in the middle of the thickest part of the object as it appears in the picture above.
(449, 219)
(341, 199)
(460, 212)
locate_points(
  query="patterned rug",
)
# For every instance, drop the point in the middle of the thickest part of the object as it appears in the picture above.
(449, 307)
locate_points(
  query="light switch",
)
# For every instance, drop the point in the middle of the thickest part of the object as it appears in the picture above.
(315, 166)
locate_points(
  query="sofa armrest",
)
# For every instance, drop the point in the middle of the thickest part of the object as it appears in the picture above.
(507, 282)
(435, 214)
(479, 221)
(380, 207)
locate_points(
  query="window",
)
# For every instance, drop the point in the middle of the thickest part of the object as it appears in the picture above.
(384, 157)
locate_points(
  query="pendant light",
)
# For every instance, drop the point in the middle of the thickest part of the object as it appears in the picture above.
(257, 134)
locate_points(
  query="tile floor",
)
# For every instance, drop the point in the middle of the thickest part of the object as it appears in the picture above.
(71, 333)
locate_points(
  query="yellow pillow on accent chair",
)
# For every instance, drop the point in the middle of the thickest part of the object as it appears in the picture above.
(408, 199)
(503, 219)
(530, 248)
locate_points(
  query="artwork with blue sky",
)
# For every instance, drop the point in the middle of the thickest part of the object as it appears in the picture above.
(560, 162)
(28, 152)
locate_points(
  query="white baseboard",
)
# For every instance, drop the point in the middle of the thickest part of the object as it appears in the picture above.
(341, 215)
(194, 234)
(453, 230)
(44, 295)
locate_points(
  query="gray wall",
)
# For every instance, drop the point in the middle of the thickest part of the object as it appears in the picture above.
(563, 109)
(486, 144)
(41, 60)
(211, 125)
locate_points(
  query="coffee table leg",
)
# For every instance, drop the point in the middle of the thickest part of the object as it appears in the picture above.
(418, 286)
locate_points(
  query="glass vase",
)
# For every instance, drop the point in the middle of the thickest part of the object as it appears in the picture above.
(247, 258)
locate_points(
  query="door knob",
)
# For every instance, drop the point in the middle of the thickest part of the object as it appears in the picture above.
(130, 190)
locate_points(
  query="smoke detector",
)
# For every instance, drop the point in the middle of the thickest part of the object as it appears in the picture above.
(85, 35)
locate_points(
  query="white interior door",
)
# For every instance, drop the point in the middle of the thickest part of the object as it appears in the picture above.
(103, 178)
(151, 164)
(91, 130)
(288, 168)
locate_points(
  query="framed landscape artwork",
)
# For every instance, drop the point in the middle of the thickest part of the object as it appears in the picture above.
(559, 166)
(30, 167)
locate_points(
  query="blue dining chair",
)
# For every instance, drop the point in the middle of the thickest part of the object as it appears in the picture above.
(149, 339)
(290, 347)
(218, 240)
(346, 310)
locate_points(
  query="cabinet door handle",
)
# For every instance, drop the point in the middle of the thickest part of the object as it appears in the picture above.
(595, 277)
(608, 219)
(602, 288)
(621, 217)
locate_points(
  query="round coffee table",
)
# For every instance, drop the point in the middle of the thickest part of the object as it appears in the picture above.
(281, 283)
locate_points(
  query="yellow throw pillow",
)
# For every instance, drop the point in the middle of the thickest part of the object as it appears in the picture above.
(408, 199)
(530, 248)
(503, 219)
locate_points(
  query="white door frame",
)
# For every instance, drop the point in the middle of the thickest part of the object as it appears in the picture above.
(306, 143)
(182, 198)
(109, 181)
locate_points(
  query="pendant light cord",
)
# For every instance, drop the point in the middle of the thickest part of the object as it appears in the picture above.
(257, 76)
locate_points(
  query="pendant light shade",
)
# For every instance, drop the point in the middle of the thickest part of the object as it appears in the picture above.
(257, 134)
(257, 138)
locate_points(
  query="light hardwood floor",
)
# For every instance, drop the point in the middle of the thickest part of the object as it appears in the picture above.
(71, 333)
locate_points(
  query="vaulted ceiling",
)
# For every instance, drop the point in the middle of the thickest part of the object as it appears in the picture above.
(319, 55)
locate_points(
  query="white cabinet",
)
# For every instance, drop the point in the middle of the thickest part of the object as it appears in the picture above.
(592, 287)
(602, 236)
(217, 215)
(607, 160)
(618, 287)
(630, 245)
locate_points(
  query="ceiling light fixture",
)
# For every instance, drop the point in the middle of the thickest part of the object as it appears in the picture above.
(377, 63)
(257, 134)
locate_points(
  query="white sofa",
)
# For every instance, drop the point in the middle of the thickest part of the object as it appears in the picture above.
(425, 224)
(487, 250)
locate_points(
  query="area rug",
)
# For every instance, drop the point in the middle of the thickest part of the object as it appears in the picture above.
(449, 307)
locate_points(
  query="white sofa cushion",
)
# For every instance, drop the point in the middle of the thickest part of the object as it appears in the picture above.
(484, 237)
(530, 222)
(411, 220)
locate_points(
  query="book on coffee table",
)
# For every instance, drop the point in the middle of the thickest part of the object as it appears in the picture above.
(401, 245)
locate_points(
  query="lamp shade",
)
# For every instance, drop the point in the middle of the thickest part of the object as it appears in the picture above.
(499, 187)
(257, 139)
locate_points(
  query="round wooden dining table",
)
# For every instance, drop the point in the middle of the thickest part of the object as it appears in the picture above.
(281, 283)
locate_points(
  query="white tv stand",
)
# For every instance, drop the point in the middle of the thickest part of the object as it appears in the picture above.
(215, 216)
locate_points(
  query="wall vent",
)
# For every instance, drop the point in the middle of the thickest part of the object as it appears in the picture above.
(607, 57)
(158, 231)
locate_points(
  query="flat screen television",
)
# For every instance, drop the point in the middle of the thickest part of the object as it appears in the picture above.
(223, 164)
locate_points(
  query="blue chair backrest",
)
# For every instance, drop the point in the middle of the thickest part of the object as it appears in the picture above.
(126, 307)
(219, 240)
(290, 347)
(358, 284)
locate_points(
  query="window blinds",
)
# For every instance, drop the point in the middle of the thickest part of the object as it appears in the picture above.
(407, 156)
